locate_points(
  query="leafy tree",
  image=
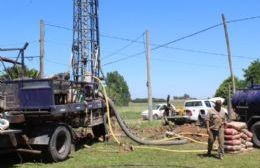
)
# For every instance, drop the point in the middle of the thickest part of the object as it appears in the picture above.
(15, 72)
(252, 73)
(117, 89)
(222, 91)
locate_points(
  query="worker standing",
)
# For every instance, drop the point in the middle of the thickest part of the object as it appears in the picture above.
(215, 120)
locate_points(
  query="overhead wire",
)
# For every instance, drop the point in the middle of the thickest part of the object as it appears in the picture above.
(204, 30)
(189, 63)
(182, 38)
(54, 62)
(166, 45)
(19, 43)
(192, 50)
(124, 47)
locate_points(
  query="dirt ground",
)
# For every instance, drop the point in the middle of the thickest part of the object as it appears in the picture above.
(190, 130)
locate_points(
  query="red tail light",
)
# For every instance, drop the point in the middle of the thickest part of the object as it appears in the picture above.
(188, 112)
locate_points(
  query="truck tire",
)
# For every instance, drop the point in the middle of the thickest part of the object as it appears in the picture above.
(59, 144)
(255, 129)
(155, 117)
(99, 130)
(201, 122)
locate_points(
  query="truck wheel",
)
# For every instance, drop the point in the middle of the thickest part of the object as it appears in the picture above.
(201, 121)
(155, 117)
(59, 144)
(255, 129)
(99, 130)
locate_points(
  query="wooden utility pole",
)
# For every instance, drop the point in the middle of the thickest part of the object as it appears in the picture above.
(229, 54)
(149, 84)
(229, 102)
(41, 49)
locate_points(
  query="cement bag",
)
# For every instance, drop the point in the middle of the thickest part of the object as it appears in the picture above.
(248, 133)
(243, 149)
(232, 137)
(4, 124)
(233, 142)
(236, 125)
(243, 146)
(232, 148)
(244, 136)
(249, 139)
(249, 144)
(230, 131)
(243, 141)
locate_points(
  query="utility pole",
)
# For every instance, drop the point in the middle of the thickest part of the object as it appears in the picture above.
(149, 84)
(229, 102)
(229, 54)
(41, 49)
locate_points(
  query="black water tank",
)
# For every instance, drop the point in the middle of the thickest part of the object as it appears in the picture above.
(247, 101)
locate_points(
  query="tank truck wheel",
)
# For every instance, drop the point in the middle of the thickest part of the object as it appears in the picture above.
(255, 129)
(98, 131)
(59, 144)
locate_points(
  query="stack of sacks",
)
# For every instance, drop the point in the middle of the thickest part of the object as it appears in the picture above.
(237, 137)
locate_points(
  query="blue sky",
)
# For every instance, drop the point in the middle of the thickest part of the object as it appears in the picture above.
(174, 71)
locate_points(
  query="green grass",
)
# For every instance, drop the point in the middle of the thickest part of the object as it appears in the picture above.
(109, 154)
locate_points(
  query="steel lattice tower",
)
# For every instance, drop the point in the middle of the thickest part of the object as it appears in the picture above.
(85, 47)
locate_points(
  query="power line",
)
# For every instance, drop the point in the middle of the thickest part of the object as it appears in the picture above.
(165, 44)
(126, 39)
(57, 43)
(54, 62)
(243, 19)
(58, 26)
(124, 47)
(208, 52)
(124, 58)
(204, 30)
(191, 64)
(162, 45)
(182, 38)
(185, 37)
(19, 43)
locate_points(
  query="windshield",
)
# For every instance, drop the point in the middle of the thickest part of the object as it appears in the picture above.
(156, 107)
(193, 103)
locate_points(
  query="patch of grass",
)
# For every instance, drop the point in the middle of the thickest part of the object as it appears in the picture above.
(104, 155)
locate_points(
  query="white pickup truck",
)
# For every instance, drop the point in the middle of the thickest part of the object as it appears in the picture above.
(157, 112)
(196, 110)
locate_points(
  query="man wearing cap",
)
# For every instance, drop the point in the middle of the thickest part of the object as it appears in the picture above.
(215, 120)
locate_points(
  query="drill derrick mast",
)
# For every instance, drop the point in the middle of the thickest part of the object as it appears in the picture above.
(85, 47)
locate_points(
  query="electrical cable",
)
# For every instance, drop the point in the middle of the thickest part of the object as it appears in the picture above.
(124, 47)
(125, 58)
(54, 62)
(182, 38)
(165, 44)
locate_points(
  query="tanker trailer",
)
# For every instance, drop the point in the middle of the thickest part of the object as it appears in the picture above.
(246, 103)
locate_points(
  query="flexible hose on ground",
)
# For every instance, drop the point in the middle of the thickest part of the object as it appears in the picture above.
(110, 104)
(134, 138)
(137, 139)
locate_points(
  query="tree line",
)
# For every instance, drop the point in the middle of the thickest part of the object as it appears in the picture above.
(251, 76)
(118, 90)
